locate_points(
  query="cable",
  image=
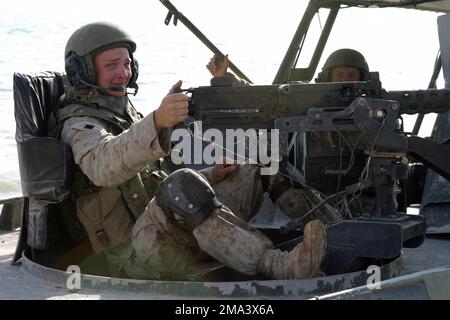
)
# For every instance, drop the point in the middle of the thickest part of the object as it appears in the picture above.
(365, 172)
(340, 162)
(296, 223)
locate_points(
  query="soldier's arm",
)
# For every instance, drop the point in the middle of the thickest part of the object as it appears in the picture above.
(237, 82)
(208, 174)
(218, 67)
(219, 172)
(110, 160)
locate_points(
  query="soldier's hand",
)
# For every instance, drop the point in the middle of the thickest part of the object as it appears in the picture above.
(217, 66)
(173, 109)
(176, 86)
(221, 171)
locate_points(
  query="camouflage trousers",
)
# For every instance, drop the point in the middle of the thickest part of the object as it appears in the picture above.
(165, 249)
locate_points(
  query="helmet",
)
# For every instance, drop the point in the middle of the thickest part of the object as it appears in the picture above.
(344, 58)
(87, 42)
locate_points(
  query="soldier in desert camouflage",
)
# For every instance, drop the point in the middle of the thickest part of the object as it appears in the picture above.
(147, 224)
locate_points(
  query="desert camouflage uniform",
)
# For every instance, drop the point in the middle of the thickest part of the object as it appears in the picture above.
(161, 247)
(114, 147)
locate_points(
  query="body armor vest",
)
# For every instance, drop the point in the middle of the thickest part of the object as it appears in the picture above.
(118, 115)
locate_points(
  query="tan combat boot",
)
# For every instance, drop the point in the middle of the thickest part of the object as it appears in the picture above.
(303, 261)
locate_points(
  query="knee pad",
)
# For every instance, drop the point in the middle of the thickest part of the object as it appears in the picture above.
(186, 194)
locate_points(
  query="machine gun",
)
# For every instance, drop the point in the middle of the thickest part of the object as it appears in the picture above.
(259, 106)
(368, 118)
(324, 107)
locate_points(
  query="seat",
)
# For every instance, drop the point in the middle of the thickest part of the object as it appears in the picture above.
(35, 97)
(45, 164)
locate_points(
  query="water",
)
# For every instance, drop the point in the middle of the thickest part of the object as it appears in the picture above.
(256, 34)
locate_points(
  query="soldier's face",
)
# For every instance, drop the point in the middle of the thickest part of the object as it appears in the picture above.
(344, 74)
(113, 68)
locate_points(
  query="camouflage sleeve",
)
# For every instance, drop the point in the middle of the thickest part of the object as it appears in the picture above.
(207, 173)
(231, 79)
(238, 82)
(110, 160)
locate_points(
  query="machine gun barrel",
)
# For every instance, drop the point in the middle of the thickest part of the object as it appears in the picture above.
(420, 101)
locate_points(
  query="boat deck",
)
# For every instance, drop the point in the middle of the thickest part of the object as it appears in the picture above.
(25, 282)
